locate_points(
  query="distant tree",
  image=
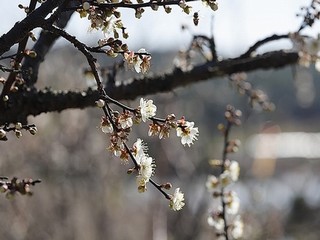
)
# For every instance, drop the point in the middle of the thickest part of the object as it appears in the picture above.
(21, 98)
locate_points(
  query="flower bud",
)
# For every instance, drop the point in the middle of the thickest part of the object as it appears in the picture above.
(3, 133)
(33, 130)
(86, 6)
(5, 98)
(18, 126)
(3, 188)
(18, 133)
(100, 103)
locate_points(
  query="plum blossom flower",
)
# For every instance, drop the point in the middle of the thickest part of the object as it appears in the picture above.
(237, 228)
(105, 125)
(187, 132)
(232, 203)
(146, 170)
(216, 221)
(139, 61)
(154, 129)
(212, 183)
(139, 149)
(147, 109)
(125, 120)
(176, 201)
(146, 167)
(234, 170)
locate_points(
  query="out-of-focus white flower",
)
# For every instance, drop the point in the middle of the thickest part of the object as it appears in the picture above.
(176, 201)
(232, 203)
(225, 178)
(312, 46)
(105, 125)
(216, 221)
(234, 170)
(237, 228)
(212, 183)
(147, 109)
(187, 132)
(317, 65)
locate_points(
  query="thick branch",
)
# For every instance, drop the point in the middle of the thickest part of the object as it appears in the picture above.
(36, 102)
(21, 29)
(42, 47)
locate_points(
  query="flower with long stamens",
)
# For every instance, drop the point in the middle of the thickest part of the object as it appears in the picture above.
(176, 201)
(147, 109)
(187, 132)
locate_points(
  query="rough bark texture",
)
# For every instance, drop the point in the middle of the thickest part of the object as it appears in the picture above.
(34, 102)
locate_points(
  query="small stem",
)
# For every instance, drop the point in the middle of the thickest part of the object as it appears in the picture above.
(167, 196)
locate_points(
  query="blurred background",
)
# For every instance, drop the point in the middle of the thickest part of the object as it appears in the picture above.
(86, 193)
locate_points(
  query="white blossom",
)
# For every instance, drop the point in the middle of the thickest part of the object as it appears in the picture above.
(176, 201)
(125, 121)
(234, 170)
(187, 132)
(146, 167)
(216, 221)
(237, 228)
(139, 149)
(232, 203)
(147, 109)
(225, 178)
(106, 126)
(212, 183)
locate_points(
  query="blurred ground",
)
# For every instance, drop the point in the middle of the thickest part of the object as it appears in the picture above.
(86, 193)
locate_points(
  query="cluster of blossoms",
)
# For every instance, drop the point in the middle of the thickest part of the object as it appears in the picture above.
(308, 48)
(225, 218)
(11, 187)
(119, 126)
(17, 129)
(139, 61)
(102, 19)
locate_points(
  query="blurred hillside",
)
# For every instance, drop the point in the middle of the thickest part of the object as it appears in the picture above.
(86, 193)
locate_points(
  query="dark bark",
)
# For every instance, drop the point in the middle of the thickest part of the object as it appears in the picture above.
(33, 102)
(30, 22)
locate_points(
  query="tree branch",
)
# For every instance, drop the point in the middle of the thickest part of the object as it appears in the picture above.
(33, 20)
(34, 102)
(42, 47)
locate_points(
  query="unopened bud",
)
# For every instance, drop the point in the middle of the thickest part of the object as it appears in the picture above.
(3, 188)
(5, 98)
(167, 186)
(100, 103)
(18, 125)
(214, 6)
(86, 6)
(33, 130)
(215, 162)
(167, 9)
(3, 133)
(130, 170)
(18, 133)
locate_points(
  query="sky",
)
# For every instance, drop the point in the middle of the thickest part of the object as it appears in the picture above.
(236, 25)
